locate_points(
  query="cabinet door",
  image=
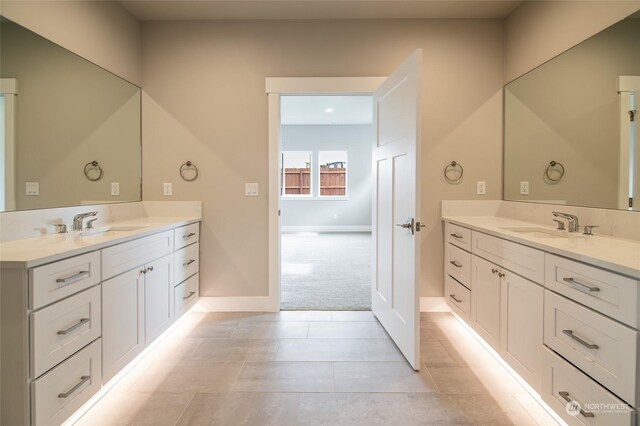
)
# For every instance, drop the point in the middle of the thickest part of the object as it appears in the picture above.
(485, 300)
(158, 294)
(122, 321)
(521, 328)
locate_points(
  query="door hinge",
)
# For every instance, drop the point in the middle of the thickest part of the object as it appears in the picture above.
(278, 212)
(630, 202)
(632, 115)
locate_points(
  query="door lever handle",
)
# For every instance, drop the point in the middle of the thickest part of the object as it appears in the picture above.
(409, 224)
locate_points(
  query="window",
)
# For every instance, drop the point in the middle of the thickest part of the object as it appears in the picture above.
(296, 173)
(333, 173)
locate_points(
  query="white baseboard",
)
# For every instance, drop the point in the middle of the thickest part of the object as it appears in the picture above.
(233, 304)
(326, 228)
(433, 304)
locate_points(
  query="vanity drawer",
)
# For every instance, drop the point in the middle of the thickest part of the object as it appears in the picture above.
(562, 382)
(458, 235)
(187, 262)
(186, 295)
(614, 295)
(458, 297)
(187, 235)
(517, 258)
(123, 257)
(60, 330)
(458, 265)
(58, 280)
(604, 349)
(60, 392)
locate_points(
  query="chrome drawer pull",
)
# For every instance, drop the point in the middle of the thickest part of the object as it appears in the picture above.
(73, 278)
(566, 397)
(580, 286)
(189, 262)
(189, 235)
(579, 340)
(456, 264)
(191, 293)
(454, 298)
(74, 326)
(83, 380)
(458, 236)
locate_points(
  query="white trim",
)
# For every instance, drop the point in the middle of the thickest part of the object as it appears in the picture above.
(296, 86)
(322, 85)
(346, 228)
(628, 83)
(233, 304)
(274, 201)
(8, 86)
(433, 304)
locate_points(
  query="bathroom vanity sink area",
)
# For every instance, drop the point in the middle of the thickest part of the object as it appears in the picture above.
(561, 308)
(617, 254)
(30, 252)
(76, 308)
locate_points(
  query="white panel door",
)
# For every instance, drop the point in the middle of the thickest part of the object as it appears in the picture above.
(396, 203)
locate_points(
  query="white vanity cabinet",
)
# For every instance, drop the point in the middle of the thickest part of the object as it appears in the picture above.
(158, 297)
(123, 327)
(68, 326)
(569, 328)
(485, 300)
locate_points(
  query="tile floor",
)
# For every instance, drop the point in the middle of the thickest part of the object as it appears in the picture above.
(314, 368)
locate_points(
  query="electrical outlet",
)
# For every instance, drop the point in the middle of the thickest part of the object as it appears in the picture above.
(335, 216)
(251, 189)
(32, 188)
(167, 189)
(481, 187)
(524, 187)
(115, 188)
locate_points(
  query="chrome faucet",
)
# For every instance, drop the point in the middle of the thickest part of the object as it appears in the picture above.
(572, 220)
(77, 220)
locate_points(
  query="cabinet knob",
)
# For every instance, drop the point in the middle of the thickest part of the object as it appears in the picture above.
(502, 275)
(494, 271)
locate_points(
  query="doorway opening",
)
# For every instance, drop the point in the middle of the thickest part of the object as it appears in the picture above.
(325, 189)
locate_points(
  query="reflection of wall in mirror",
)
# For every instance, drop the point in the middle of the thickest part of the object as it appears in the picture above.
(568, 111)
(69, 112)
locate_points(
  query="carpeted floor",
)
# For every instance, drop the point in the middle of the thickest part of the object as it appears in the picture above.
(326, 271)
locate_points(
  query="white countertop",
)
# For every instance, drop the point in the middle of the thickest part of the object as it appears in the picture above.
(30, 252)
(616, 254)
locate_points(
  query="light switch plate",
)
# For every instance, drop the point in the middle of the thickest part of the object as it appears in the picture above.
(115, 188)
(32, 188)
(251, 189)
(524, 187)
(167, 189)
(481, 187)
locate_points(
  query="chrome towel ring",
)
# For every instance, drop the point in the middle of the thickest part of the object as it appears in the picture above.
(90, 170)
(188, 171)
(556, 167)
(453, 172)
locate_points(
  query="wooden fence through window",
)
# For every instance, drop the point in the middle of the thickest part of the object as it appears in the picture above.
(333, 181)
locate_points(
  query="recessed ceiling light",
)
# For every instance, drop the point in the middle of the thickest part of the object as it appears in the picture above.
(328, 110)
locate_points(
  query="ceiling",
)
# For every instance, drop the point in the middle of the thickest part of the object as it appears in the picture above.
(313, 110)
(169, 10)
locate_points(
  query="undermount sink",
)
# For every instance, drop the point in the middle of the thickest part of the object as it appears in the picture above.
(536, 232)
(110, 230)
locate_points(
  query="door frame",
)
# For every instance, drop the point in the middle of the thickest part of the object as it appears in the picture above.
(276, 87)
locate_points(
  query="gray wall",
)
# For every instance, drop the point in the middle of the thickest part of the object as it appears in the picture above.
(355, 210)
(205, 100)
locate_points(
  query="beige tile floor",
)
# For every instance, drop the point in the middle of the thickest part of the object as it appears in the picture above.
(314, 368)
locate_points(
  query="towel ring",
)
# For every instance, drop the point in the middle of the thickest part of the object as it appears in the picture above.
(185, 168)
(93, 165)
(558, 167)
(453, 167)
